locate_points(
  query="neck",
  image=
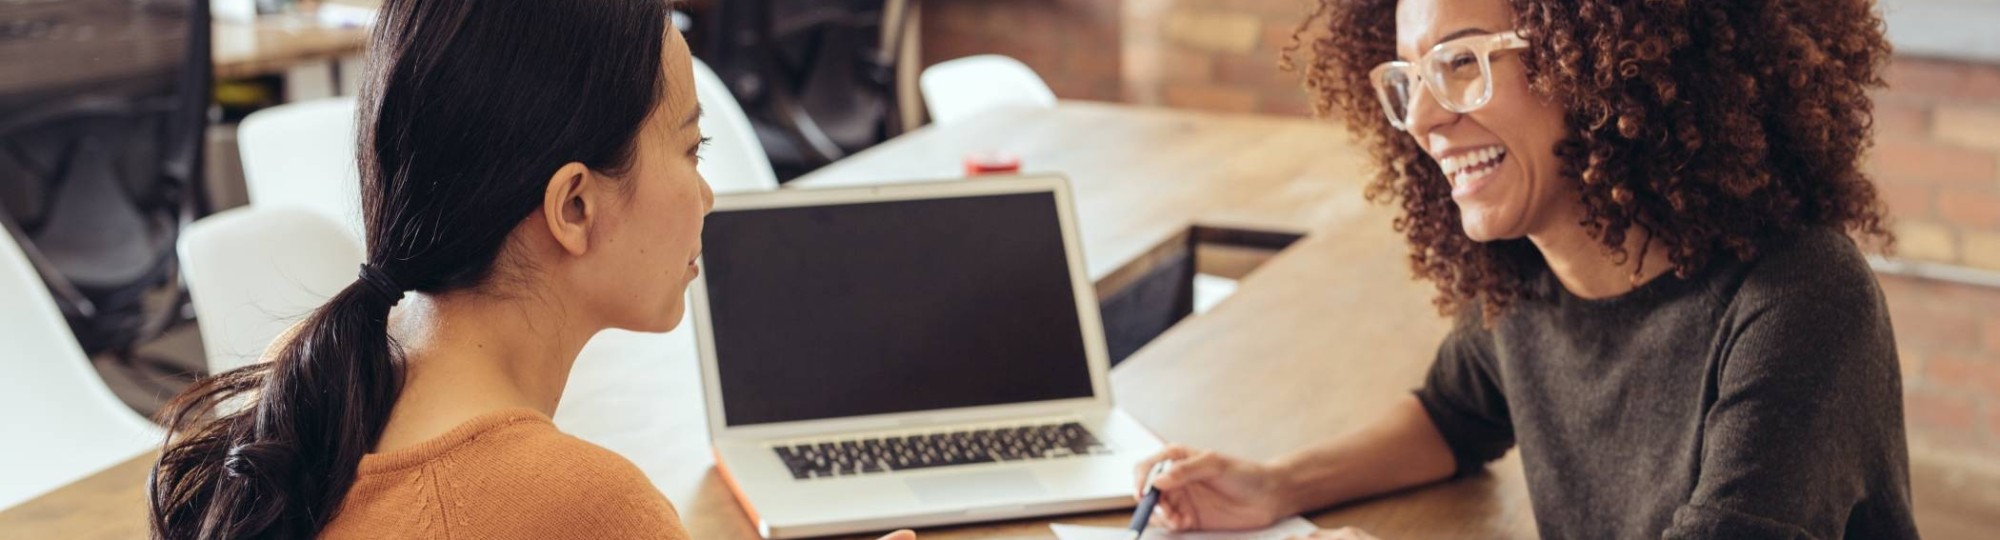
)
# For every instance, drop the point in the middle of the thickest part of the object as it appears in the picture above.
(468, 352)
(1580, 263)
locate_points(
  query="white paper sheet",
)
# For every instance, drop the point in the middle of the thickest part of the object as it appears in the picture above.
(1296, 526)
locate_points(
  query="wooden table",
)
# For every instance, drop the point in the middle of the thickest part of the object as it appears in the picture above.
(274, 44)
(88, 45)
(1316, 341)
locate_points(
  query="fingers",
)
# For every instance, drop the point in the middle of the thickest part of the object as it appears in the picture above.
(1173, 451)
(904, 534)
(1175, 512)
(1196, 466)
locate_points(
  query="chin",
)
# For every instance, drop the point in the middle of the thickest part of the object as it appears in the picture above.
(674, 317)
(667, 321)
(1488, 226)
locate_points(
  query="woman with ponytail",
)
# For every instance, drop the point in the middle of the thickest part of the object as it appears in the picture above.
(527, 180)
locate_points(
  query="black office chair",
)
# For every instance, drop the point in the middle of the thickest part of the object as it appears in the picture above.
(101, 170)
(813, 75)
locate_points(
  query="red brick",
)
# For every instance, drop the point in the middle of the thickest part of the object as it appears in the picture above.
(1286, 103)
(1898, 118)
(1255, 72)
(1182, 65)
(960, 18)
(1993, 427)
(1210, 98)
(1963, 373)
(1992, 334)
(1943, 79)
(1969, 208)
(943, 47)
(1907, 200)
(1933, 410)
(1040, 21)
(1093, 64)
(1270, 8)
(1278, 34)
(1038, 55)
(1898, 161)
(1934, 322)
(1084, 88)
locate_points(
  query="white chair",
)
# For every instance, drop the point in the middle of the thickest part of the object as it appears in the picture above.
(736, 161)
(959, 89)
(62, 423)
(303, 154)
(252, 272)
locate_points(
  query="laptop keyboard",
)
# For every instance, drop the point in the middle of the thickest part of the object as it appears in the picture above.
(901, 453)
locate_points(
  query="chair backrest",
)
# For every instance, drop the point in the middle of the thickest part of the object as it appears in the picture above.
(303, 154)
(958, 89)
(252, 272)
(61, 423)
(735, 161)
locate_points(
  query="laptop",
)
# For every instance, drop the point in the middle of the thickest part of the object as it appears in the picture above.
(907, 355)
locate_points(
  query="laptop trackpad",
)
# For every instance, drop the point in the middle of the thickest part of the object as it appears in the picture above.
(959, 489)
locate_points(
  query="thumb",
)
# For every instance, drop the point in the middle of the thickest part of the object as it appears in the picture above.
(1201, 467)
(904, 534)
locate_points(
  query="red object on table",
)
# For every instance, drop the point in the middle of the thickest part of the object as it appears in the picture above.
(980, 163)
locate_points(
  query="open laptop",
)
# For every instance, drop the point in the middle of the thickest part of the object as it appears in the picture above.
(907, 355)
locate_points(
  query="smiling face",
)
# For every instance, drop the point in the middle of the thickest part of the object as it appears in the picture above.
(653, 235)
(1500, 158)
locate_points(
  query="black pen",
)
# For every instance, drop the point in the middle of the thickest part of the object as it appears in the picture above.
(1151, 498)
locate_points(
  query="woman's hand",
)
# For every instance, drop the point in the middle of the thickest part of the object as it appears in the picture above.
(904, 534)
(1208, 491)
(1343, 533)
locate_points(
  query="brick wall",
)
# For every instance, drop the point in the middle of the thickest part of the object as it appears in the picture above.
(1073, 44)
(1936, 161)
(1218, 55)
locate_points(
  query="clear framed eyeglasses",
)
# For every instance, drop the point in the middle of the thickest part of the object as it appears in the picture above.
(1459, 74)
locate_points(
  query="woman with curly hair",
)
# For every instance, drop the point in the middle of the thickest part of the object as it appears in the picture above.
(1642, 214)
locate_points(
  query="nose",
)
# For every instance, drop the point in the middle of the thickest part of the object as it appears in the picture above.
(1427, 115)
(707, 197)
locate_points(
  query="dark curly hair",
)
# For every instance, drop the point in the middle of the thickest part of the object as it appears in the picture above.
(1709, 125)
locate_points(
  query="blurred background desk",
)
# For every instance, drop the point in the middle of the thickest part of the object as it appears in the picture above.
(318, 59)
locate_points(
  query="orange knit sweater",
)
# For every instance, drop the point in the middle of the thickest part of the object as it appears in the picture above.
(508, 474)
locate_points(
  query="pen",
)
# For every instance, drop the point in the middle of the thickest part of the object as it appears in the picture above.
(1151, 498)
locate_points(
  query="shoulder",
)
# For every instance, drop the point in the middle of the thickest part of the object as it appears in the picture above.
(534, 456)
(1812, 267)
(1809, 307)
(528, 475)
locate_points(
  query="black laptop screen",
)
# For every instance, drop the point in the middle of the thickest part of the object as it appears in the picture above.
(886, 307)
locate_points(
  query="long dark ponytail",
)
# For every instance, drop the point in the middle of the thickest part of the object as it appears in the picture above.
(467, 109)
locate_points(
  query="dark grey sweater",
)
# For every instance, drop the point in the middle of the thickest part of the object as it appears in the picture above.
(1754, 399)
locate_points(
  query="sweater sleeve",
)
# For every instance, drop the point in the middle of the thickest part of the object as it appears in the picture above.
(1806, 420)
(1464, 398)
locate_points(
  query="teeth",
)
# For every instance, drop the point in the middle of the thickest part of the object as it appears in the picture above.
(1455, 167)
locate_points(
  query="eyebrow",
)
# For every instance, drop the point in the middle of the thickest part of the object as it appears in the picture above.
(692, 117)
(1462, 32)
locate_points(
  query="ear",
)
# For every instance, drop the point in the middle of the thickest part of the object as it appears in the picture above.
(569, 208)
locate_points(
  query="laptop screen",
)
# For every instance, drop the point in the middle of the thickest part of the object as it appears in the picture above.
(886, 307)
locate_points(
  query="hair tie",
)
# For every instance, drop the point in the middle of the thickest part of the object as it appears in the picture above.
(385, 288)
